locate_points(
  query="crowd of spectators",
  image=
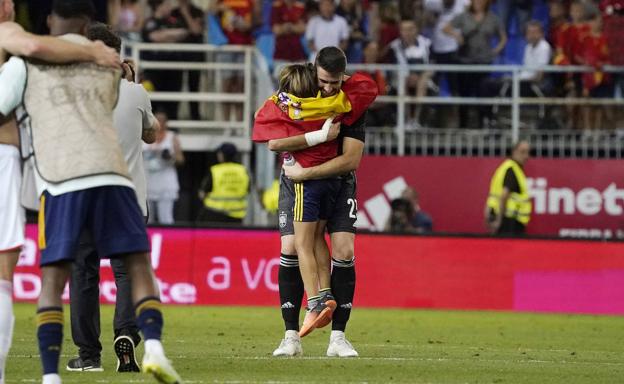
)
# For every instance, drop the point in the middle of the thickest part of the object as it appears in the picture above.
(571, 32)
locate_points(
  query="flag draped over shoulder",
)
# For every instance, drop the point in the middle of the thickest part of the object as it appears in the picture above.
(361, 90)
(285, 115)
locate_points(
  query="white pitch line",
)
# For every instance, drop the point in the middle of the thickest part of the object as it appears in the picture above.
(429, 359)
(416, 359)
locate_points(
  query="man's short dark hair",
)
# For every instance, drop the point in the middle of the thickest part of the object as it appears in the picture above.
(104, 33)
(70, 9)
(332, 59)
(229, 151)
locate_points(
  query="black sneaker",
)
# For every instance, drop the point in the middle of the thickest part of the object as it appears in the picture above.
(88, 365)
(126, 359)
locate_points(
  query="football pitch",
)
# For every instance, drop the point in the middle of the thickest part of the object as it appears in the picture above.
(234, 345)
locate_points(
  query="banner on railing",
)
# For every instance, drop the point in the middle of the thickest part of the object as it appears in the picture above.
(571, 198)
(239, 267)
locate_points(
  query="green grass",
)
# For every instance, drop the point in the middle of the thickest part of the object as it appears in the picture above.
(234, 345)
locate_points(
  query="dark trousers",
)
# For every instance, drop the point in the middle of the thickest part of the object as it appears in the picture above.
(85, 304)
(452, 78)
(470, 84)
(511, 227)
(193, 85)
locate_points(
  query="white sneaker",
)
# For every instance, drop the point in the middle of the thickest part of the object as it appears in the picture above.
(290, 345)
(157, 365)
(339, 346)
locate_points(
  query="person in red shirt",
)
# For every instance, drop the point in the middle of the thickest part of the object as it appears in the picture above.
(580, 14)
(237, 20)
(557, 34)
(568, 44)
(595, 52)
(270, 128)
(288, 25)
(613, 20)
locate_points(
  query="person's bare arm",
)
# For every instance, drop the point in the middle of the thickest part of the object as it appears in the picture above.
(502, 41)
(148, 135)
(344, 44)
(179, 155)
(299, 142)
(299, 27)
(455, 34)
(15, 40)
(495, 225)
(288, 144)
(172, 35)
(349, 160)
(195, 25)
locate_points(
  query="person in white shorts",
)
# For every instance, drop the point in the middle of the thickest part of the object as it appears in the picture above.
(11, 233)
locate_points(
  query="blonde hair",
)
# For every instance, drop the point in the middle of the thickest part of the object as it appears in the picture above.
(298, 80)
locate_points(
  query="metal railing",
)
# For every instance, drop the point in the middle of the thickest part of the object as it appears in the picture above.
(400, 139)
(496, 143)
(210, 131)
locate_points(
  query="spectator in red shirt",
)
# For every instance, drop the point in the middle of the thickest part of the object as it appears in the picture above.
(613, 18)
(567, 48)
(288, 24)
(557, 34)
(580, 13)
(237, 20)
(389, 26)
(595, 53)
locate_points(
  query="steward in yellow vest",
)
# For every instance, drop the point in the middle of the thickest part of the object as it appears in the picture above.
(270, 198)
(508, 207)
(224, 191)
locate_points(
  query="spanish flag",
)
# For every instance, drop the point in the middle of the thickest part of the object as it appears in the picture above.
(284, 115)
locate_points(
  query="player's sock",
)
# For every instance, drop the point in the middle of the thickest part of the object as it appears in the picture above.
(313, 301)
(6, 323)
(51, 378)
(50, 336)
(325, 291)
(343, 288)
(149, 318)
(153, 346)
(290, 290)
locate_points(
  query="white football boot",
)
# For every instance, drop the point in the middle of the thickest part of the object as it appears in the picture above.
(156, 364)
(290, 345)
(339, 346)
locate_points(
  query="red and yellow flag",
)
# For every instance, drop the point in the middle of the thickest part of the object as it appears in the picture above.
(286, 115)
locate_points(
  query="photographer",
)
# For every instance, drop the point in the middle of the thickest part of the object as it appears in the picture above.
(399, 220)
(161, 159)
(406, 215)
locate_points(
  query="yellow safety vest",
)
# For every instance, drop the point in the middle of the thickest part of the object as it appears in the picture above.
(518, 205)
(270, 197)
(230, 186)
